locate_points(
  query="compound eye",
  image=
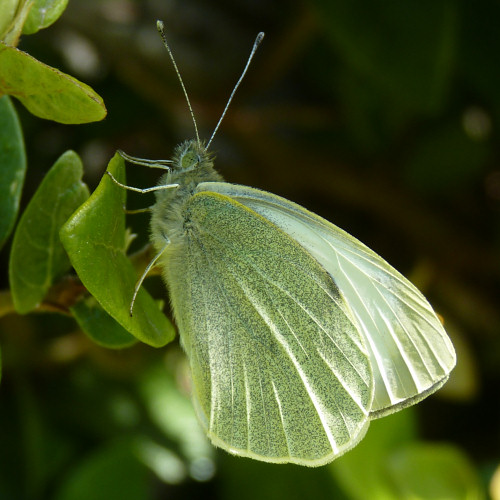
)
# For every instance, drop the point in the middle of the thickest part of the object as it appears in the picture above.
(189, 161)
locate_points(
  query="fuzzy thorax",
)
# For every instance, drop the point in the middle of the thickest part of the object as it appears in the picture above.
(191, 165)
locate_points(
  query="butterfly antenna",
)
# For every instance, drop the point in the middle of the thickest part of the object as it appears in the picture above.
(161, 29)
(256, 44)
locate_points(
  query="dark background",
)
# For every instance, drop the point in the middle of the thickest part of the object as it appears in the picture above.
(380, 116)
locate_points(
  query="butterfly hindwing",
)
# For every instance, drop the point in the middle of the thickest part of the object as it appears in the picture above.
(280, 371)
(411, 355)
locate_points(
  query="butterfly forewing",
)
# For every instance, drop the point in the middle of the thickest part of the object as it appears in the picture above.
(410, 353)
(280, 371)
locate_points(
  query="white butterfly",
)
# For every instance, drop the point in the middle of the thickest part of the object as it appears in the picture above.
(297, 334)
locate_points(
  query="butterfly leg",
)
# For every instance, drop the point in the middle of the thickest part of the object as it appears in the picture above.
(138, 210)
(163, 164)
(141, 190)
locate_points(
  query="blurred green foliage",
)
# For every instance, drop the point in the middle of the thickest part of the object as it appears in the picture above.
(380, 116)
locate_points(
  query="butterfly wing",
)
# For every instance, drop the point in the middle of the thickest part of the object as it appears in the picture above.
(411, 355)
(280, 372)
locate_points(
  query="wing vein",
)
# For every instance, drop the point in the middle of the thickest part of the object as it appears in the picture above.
(252, 265)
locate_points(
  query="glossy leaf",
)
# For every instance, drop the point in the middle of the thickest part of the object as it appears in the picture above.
(95, 240)
(12, 167)
(45, 91)
(42, 14)
(100, 326)
(37, 256)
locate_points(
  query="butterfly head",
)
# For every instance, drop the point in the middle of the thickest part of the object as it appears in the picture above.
(191, 155)
(191, 164)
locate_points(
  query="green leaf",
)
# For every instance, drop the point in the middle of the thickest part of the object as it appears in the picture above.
(45, 91)
(7, 16)
(12, 167)
(100, 326)
(95, 240)
(37, 256)
(43, 14)
(428, 471)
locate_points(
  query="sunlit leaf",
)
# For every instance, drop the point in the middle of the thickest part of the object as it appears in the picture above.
(95, 240)
(37, 256)
(12, 166)
(46, 91)
(42, 14)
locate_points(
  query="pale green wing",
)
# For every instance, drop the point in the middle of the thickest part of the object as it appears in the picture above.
(411, 354)
(280, 372)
